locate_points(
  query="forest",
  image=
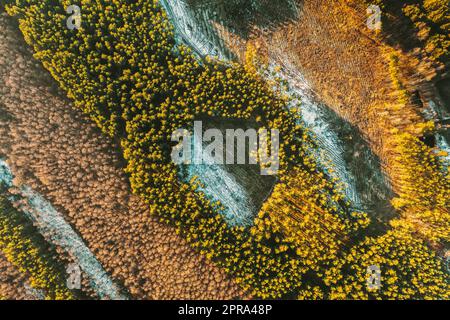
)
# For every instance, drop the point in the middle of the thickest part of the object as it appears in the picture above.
(125, 70)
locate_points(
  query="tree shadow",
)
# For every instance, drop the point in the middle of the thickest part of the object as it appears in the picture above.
(370, 181)
(240, 16)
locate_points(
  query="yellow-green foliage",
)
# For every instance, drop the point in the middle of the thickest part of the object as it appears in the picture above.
(432, 19)
(311, 293)
(25, 248)
(394, 72)
(304, 221)
(422, 179)
(429, 18)
(311, 219)
(424, 196)
(409, 270)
